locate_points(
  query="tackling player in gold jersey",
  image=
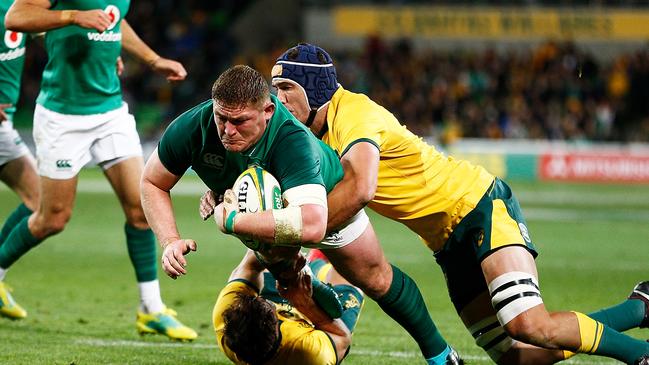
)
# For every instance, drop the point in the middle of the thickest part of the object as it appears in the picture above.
(466, 216)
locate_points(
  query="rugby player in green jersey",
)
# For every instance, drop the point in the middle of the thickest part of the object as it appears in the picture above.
(470, 219)
(80, 116)
(17, 165)
(244, 125)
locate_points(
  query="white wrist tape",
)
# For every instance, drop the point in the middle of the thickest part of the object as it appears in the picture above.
(288, 225)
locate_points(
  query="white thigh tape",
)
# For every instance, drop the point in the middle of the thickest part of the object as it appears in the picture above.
(491, 336)
(513, 293)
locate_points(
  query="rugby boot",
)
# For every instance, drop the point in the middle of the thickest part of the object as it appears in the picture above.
(641, 291)
(8, 306)
(453, 358)
(644, 360)
(447, 357)
(164, 323)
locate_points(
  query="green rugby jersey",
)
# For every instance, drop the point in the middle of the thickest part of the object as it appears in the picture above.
(81, 75)
(12, 59)
(287, 149)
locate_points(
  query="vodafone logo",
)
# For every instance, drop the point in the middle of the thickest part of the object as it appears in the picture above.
(13, 39)
(113, 13)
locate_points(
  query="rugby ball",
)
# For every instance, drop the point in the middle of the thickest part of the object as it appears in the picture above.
(256, 190)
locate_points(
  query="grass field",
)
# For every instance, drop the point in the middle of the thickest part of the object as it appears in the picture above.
(79, 288)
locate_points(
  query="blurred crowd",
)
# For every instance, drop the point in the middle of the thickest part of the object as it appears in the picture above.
(555, 91)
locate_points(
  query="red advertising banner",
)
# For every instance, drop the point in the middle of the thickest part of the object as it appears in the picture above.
(604, 167)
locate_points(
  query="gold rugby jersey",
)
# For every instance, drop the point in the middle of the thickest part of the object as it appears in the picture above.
(301, 344)
(417, 185)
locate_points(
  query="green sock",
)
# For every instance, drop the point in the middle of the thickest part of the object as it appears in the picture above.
(352, 301)
(599, 339)
(142, 251)
(621, 346)
(623, 316)
(403, 303)
(18, 242)
(14, 218)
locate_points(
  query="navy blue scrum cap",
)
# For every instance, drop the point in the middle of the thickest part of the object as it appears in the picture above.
(311, 68)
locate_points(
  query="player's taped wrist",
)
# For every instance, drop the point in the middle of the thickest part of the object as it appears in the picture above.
(228, 225)
(288, 225)
(68, 16)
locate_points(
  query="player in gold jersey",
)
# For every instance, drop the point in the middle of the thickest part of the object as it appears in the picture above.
(466, 216)
(255, 325)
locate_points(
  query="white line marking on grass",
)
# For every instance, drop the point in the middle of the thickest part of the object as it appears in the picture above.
(355, 351)
(127, 343)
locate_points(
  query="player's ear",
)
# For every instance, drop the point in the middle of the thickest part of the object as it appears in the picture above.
(269, 109)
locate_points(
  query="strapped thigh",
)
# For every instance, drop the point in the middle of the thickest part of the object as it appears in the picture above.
(491, 336)
(514, 293)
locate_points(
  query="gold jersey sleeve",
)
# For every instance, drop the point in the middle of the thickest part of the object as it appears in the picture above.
(417, 185)
(301, 343)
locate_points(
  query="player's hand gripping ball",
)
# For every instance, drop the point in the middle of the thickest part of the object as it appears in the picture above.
(255, 190)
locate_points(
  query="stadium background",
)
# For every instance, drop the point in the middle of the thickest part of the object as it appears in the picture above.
(553, 95)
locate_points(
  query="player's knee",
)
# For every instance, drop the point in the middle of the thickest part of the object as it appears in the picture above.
(377, 281)
(50, 224)
(533, 331)
(135, 217)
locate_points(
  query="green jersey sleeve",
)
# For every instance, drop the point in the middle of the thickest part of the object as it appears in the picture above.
(296, 160)
(178, 143)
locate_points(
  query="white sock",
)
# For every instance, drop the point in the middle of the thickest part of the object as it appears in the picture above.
(3, 272)
(150, 300)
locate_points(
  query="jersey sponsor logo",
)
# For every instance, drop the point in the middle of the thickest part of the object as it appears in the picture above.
(524, 232)
(12, 55)
(114, 15)
(63, 164)
(213, 160)
(13, 39)
(105, 37)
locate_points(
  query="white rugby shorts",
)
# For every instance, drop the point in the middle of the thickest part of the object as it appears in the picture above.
(65, 143)
(353, 229)
(11, 145)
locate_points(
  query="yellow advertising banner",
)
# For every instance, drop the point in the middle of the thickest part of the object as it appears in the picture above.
(492, 23)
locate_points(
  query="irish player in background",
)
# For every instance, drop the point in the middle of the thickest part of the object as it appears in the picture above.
(244, 125)
(17, 165)
(80, 116)
(466, 216)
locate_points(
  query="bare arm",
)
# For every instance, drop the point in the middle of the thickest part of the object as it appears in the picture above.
(299, 294)
(249, 269)
(133, 44)
(261, 226)
(35, 16)
(358, 186)
(156, 184)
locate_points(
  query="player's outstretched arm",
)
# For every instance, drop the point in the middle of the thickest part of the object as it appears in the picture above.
(33, 16)
(155, 185)
(133, 44)
(299, 294)
(358, 186)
